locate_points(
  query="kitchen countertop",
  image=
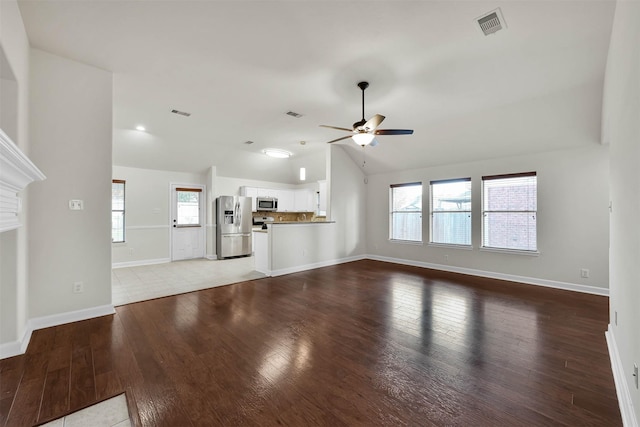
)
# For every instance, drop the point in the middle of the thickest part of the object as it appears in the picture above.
(258, 228)
(302, 222)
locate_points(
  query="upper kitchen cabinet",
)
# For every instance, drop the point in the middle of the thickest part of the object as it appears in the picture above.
(286, 200)
(304, 200)
(250, 192)
(322, 207)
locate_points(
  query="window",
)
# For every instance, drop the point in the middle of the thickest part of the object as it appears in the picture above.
(451, 211)
(509, 210)
(188, 207)
(406, 212)
(117, 211)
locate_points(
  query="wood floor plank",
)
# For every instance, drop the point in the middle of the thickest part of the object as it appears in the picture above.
(363, 343)
(55, 396)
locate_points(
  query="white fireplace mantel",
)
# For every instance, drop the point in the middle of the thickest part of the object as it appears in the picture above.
(16, 172)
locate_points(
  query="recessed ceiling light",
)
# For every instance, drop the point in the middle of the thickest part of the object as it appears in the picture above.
(277, 153)
(303, 174)
(141, 128)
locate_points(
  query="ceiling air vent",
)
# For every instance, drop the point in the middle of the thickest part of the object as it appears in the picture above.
(248, 142)
(294, 114)
(491, 22)
(182, 113)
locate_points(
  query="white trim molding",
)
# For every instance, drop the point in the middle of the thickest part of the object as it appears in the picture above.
(306, 267)
(501, 276)
(16, 348)
(622, 389)
(140, 262)
(16, 172)
(147, 227)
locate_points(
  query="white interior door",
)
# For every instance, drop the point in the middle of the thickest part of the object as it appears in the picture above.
(187, 222)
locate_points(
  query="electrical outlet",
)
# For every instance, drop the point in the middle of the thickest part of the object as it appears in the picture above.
(76, 205)
(304, 252)
(446, 258)
(584, 273)
(130, 251)
(78, 287)
(635, 373)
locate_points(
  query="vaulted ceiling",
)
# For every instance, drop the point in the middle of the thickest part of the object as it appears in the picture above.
(239, 66)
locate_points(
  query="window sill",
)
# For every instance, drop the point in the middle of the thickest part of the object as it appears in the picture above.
(119, 243)
(407, 242)
(451, 246)
(510, 251)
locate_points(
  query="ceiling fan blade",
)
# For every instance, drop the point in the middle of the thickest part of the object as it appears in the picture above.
(373, 122)
(339, 139)
(334, 127)
(393, 132)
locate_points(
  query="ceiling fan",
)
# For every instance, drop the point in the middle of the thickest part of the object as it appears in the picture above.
(364, 131)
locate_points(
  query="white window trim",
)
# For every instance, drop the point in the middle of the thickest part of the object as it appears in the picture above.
(391, 212)
(432, 212)
(408, 242)
(451, 246)
(482, 228)
(509, 251)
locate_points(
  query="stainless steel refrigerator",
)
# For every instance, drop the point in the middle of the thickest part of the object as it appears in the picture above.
(233, 228)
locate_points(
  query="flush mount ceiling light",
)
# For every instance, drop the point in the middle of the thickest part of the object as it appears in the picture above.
(303, 174)
(141, 128)
(277, 153)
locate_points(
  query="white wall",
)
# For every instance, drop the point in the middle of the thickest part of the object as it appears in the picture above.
(147, 213)
(347, 202)
(621, 129)
(71, 133)
(299, 247)
(572, 219)
(14, 45)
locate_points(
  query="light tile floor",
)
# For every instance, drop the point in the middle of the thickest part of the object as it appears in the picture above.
(133, 284)
(112, 412)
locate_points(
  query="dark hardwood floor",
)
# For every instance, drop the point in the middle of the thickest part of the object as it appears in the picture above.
(363, 343)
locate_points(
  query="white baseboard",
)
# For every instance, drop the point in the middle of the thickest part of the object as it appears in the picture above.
(212, 257)
(622, 386)
(15, 348)
(502, 276)
(305, 267)
(140, 262)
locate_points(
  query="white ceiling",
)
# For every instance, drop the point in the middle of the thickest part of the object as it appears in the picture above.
(239, 66)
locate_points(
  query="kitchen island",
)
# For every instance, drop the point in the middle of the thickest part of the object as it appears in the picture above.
(290, 246)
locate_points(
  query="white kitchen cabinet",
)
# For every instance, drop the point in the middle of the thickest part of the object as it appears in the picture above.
(285, 200)
(250, 192)
(267, 192)
(303, 200)
(322, 209)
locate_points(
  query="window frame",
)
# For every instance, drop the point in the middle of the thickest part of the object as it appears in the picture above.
(124, 201)
(200, 205)
(485, 211)
(432, 212)
(392, 212)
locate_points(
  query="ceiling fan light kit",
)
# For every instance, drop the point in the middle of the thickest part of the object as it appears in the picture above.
(363, 138)
(364, 131)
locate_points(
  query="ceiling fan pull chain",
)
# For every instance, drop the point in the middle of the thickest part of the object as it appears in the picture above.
(364, 154)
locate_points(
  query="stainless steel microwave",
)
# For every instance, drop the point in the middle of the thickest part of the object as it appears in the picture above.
(267, 204)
